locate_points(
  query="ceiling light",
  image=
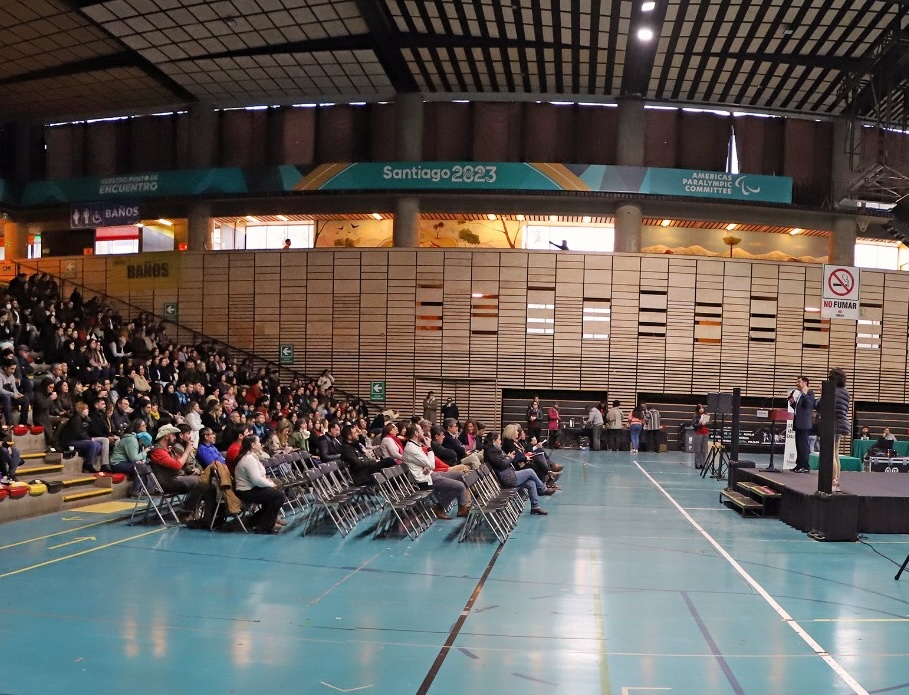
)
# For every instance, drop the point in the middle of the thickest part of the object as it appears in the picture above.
(645, 34)
(665, 223)
(797, 230)
(731, 226)
(586, 219)
(254, 220)
(376, 216)
(553, 218)
(648, 7)
(166, 223)
(519, 218)
(491, 217)
(283, 218)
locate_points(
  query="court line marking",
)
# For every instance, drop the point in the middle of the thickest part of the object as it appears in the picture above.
(81, 552)
(799, 630)
(605, 682)
(52, 535)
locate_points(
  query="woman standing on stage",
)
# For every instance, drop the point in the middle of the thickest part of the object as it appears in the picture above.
(841, 426)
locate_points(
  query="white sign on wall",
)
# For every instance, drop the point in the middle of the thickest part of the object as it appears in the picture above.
(840, 293)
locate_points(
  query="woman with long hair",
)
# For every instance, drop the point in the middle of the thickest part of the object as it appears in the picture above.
(508, 477)
(253, 487)
(841, 426)
(635, 425)
(700, 436)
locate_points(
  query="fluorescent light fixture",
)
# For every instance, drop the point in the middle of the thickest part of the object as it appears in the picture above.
(491, 217)
(731, 226)
(665, 223)
(645, 34)
(797, 230)
(586, 219)
(553, 218)
(519, 218)
(376, 216)
(254, 220)
(166, 223)
(648, 7)
(283, 218)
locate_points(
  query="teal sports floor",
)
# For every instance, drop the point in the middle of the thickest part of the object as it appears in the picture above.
(637, 583)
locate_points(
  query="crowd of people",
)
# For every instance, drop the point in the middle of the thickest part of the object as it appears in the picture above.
(118, 392)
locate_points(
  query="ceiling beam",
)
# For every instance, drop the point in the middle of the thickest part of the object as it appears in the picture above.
(124, 59)
(387, 45)
(640, 55)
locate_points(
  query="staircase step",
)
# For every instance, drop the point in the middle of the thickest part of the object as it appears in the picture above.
(80, 480)
(95, 492)
(31, 471)
(33, 455)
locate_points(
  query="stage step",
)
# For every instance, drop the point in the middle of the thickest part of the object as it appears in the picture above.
(742, 503)
(760, 490)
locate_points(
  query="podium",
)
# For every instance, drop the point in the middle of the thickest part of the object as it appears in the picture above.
(774, 415)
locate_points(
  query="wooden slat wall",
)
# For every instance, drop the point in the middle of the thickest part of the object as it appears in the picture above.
(358, 312)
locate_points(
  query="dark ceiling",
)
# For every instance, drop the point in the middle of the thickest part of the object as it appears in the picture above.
(63, 59)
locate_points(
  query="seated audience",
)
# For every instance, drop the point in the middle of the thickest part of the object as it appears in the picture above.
(508, 477)
(447, 486)
(253, 487)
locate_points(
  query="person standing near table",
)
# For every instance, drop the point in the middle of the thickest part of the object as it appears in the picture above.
(615, 423)
(553, 423)
(803, 400)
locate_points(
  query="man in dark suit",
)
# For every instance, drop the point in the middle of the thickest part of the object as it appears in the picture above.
(804, 401)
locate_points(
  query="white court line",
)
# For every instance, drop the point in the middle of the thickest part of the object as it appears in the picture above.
(799, 630)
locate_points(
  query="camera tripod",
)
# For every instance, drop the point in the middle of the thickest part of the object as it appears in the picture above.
(717, 464)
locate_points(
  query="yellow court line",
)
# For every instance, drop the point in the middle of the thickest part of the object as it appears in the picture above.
(51, 535)
(599, 617)
(82, 552)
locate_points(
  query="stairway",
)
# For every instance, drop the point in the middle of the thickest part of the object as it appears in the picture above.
(78, 489)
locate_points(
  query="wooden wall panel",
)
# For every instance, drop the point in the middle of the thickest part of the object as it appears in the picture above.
(357, 313)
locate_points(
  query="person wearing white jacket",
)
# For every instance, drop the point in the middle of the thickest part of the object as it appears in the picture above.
(253, 487)
(421, 466)
(193, 418)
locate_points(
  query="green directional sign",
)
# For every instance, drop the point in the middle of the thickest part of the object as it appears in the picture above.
(286, 354)
(171, 311)
(377, 391)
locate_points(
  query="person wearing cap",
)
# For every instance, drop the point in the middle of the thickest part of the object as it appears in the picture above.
(168, 469)
(130, 450)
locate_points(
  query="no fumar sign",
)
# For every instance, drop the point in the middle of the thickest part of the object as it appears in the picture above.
(840, 293)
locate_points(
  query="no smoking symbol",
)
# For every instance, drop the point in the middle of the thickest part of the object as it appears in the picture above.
(841, 282)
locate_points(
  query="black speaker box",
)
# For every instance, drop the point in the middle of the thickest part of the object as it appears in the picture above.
(835, 517)
(719, 403)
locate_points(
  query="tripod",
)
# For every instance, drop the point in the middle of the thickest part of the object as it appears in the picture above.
(717, 464)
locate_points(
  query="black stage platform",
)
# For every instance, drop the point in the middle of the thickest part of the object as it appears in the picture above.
(873, 503)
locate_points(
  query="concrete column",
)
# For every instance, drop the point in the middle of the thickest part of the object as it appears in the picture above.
(630, 134)
(842, 160)
(15, 241)
(406, 232)
(409, 127)
(199, 227)
(203, 136)
(842, 241)
(628, 228)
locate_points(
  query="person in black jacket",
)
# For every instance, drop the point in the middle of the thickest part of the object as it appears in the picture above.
(442, 453)
(330, 445)
(75, 434)
(508, 477)
(360, 465)
(451, 441)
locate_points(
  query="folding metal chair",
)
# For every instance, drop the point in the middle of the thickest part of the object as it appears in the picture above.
(154, 497)
(220, 499)
(405, 509)
(336, 506)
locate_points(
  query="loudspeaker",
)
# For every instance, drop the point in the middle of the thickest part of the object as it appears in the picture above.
(742, 464)
(719, 403)
(835, 517)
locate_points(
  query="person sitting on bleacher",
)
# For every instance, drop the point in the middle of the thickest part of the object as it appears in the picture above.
(75, 434)
(10, 394)
(9, 458)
